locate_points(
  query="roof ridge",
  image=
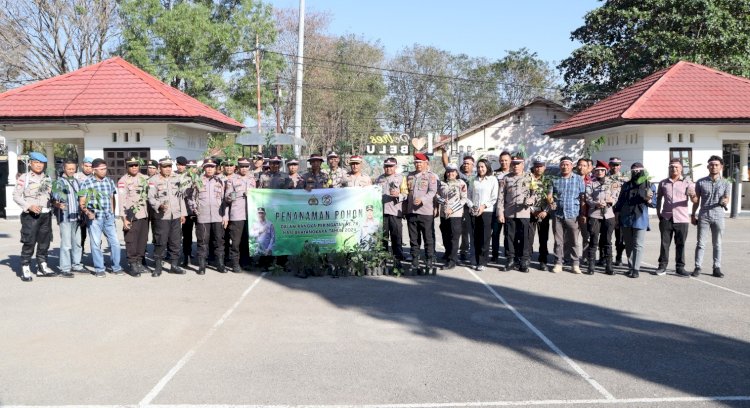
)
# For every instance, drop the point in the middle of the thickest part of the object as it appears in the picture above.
(640, 100)
(716, 71)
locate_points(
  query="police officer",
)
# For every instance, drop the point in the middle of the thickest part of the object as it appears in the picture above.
(33, 194)
(540, 220)
(395, 192)
(297, 182)
(228, 167)
(257, 167)
(207, 201)
(274, 178)
(152, 168)
(514, 202)
(422, 186)
(356, 178)
(601, 195)
(615, 173)
(187, 187)
(133, 191)
(166, 199)
(315, 178)
(335, 172)
(235, 195)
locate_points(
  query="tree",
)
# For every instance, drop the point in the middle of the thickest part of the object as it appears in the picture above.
(626, 40)
(522, 76)
(44, 38)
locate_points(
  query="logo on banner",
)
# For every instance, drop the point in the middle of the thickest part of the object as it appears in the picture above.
(388, 144)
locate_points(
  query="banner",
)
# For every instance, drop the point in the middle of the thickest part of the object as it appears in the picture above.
(280, 222)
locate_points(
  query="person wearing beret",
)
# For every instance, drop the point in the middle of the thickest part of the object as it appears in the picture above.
(167, 202)
(33, 193)
(422, 186)
(637, 195)
(207, 202)
(256, 169)
(615, 173)
(133, 189)
(601, 194)
(181, 163)
(152, 167)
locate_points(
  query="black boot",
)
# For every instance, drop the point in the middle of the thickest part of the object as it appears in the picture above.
(202, 266)
(414, 265)
(591, 266)
(157, 268)
(431, 269)
(618, 258)
(176, 269)
(633, 274)
(608, 266)
(508, 265)
(524, 267)
(220, 264)
(236, 268)
(135, 269)
(185, 260)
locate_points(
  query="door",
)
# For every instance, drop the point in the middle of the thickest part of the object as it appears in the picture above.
(116, 158)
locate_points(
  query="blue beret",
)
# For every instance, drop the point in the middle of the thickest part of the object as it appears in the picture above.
(88, 160)
(38, 157)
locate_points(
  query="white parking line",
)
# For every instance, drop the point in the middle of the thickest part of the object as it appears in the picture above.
(546, 340)
(704, 282)
(181, 363)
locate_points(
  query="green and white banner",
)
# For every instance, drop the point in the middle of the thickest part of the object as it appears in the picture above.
(280, 222)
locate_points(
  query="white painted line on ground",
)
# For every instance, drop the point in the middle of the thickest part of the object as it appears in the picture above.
(623, 401)
(181, 363)
(705, 282)
(546, 340)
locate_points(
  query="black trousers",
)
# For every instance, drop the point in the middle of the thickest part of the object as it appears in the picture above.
(136, 239)
(393, 230)
(482, 235)
(497, 229)
(167, 235)
(239, 251)
(542, 226)
(84, 228)
(585, 238)
(619, 241)
(518, 231)
(450, 231)
(421, 227)
(210, 231)
(467, 231)
(36, 233)
(600, 230)
(187, 236)
(678, 230)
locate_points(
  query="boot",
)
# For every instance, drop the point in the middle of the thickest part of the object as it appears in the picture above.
(633, 274)
(431, 269)
(236, 267)
(202, 266)
(176, 269)
(26, 273)
(135, 269)
(220, 264)
(590, 266)
(618, 258)
(185, 260)
(508, 265)
(414, 265)
(157, 268)
(524, 267)
(608, 266)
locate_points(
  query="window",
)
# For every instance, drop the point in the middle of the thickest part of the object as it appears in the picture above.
(692, 138)
(686, 155)
(669, 138)
(137, 134)
(679, 137)
(114, 137)
(116, 158)
(126, 136)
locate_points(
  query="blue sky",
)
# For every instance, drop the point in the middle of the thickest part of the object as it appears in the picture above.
(478, 28)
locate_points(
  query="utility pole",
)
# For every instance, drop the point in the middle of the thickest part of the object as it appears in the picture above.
(257, 77)
(298, 95)
(278, 108)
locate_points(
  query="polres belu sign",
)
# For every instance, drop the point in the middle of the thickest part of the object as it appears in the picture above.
(388, 144)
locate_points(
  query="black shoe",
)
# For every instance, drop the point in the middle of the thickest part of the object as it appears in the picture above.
(176, 270)
(236, 268)
(157, 269)
(508, 266)
(660, 271)
(184, 263)
(696, 272)
(449, 265)
(67, 274)
(135, 270)
(717, 273)
(633, 274)
(201, 267)
(220, 264)
(542, 266)
(618, 261)
(682, 272)
(523, 267)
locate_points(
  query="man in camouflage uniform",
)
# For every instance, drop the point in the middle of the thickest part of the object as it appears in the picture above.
(133, 191)
(422, 186)
(235, 196)
(601, 194)
(297, 182)
(274, 178)
(335, 172)
(356, 178)
(207, 201)
(540, 219)
(166, 198)
(514, 202)
(315, 178)
(187, 187)
(395, 192)
(33, 194)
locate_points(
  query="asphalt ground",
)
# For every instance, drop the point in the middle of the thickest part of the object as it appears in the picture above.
(459, 339)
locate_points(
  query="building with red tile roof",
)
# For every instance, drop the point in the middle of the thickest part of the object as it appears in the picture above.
(111, 110)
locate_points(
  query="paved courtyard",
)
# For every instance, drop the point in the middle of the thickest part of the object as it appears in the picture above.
(459, 339)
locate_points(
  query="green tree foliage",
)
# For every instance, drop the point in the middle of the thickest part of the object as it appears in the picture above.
(626, 40)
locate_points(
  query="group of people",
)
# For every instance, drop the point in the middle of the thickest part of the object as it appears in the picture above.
(592, 209)
(584, 207)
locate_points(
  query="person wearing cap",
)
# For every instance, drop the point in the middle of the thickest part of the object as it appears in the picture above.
(482, 198)
(256, 169)
(207, 202)
(295, 179)
(152, 168)
(97, 201)
(422, 187)
(355, 178)
(601, 195)
(33, 193)
(497, 227)
(565, 200)
(235, 196)
(336, 174)
(165, 197)
(264, 234)
(636, 196)
(65, 197)
(540, 220)
(315, 178)
(229, 168)
(368, 233)
(452, 196)
(514, 202)
(615, 173)
(274, 178)
(86, 172)
(394, 193)
(584, 167)
(181, 163)
(187, 186)
(133, 192)
(672, 197)
(711, 195)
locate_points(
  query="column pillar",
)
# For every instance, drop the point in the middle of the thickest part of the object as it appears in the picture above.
(80, 152)
(49, 151)
(743, 161)
(12, 160)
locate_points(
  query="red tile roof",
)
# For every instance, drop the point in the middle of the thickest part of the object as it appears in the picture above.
(682, 92)
(111, 89)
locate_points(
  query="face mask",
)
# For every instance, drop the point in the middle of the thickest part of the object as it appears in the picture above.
(634, 174)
